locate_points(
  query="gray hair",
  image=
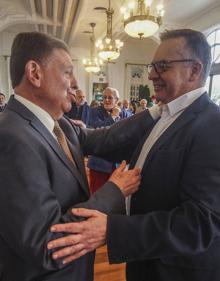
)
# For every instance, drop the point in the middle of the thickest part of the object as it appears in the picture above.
(113, 91)
(197, 45)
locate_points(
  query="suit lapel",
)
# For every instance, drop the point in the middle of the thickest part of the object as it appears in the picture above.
(189, 114)
(43, 131)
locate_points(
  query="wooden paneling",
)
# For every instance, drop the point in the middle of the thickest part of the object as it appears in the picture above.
(106, 272)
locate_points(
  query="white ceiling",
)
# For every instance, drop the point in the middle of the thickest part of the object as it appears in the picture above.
(67, 19)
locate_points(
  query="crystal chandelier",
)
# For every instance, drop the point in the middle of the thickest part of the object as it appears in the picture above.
(92, 64)
(138, 21)
(109, 49)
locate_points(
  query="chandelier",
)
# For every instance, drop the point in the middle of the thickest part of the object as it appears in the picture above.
(138, 21)
(109, 49)
(92, 64)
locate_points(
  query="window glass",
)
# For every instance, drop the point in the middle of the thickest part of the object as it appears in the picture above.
(218, 36)
(215, 92)
(211, 38)
(207, 84)
(217, 54)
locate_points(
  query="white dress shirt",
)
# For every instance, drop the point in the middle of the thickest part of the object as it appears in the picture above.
(169, 113)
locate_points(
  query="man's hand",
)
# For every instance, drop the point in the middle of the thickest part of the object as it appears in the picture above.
(127, 180)
(116, 111)
(78, 123)
(83, 236)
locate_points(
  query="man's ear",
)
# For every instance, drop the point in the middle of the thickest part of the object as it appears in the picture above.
(196, 71)
(33, 73)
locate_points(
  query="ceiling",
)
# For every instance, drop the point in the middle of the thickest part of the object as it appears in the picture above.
(68, 19)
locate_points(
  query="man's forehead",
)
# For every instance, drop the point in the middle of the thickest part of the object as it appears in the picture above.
(107, 91)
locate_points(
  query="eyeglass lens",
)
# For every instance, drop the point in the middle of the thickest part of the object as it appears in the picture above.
(108, 97)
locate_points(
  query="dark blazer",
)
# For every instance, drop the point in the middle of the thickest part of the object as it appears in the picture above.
(173, 232)
(2, 108)
(99, 117)
(38, 187)
(80, 114)
(125, 113)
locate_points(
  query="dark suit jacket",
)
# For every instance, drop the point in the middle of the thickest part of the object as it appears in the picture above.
(81, 113)
(38, 187)
(99, 117)
(173, 232)
(2, 108)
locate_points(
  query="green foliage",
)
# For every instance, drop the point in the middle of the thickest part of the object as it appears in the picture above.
(144, 92)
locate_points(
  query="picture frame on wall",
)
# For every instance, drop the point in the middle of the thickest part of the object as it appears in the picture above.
(136, 81)
(98, 89)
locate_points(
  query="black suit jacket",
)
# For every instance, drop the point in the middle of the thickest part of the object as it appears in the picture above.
(173, 232)
(38, 187)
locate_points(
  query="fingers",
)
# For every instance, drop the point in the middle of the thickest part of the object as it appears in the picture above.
(86, 213)
(71, 250)
(64, 241)
(67, 227)
(121, 167)
(75, 256)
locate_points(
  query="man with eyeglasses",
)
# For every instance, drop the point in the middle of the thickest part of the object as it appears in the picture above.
(173, 231)
(102, 116)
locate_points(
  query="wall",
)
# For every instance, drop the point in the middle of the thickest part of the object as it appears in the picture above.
(134, 51)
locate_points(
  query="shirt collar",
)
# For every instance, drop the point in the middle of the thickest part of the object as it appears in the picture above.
(40, 113)
(182, 102)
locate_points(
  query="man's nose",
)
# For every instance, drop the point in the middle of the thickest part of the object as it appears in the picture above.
(153, 74)
(73, 83)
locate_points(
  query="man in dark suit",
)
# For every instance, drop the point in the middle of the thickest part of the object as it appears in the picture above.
(2, 102)
(42, 170)
(173, 231)
(80, 109)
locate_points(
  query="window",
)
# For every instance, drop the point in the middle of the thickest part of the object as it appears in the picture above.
(213, 83)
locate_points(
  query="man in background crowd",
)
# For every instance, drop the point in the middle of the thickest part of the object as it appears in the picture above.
(125, 111)
(102, 116)
(2, 102)
(80, 108)
(143, 105)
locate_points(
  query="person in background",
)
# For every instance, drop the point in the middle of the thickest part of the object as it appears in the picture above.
(143, 105)
(80, 108)
(133, 107)
(120, 104)
(173, 231)
(42, 168)
(94, 103)
(102, 116)
(153, 99)
(2, 102)
(125, 111)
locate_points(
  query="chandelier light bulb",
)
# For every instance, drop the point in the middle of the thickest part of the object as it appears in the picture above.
(131, 5)
(108, 40)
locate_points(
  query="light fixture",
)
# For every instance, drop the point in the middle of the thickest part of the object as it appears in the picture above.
(92, 64)
(141, 23)
(109, 49)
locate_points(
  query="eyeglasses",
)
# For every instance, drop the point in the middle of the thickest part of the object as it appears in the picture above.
(162, 66)
(108, 98)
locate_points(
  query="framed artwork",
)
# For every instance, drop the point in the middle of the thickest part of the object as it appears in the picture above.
(97, 90)
(136, 82)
